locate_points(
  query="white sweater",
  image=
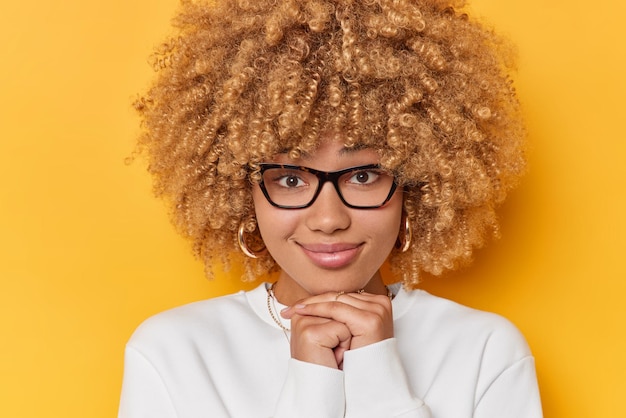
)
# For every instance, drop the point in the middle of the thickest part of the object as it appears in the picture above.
(225, 357)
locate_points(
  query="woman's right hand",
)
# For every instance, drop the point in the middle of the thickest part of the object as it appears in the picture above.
(319, 340)
(325, 326)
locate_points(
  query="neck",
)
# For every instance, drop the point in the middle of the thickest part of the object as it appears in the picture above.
(288, 291)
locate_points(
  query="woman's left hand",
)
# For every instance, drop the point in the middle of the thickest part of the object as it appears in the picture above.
(368, 317)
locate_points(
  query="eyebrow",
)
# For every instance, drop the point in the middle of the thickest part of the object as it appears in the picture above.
(343, 151)
(305, 156)
(350, 150)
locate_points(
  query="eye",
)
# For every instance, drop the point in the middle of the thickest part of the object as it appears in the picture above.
(363, 177)
(287, 178)
(290, 181)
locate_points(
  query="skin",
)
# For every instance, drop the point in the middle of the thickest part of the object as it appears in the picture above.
(329, 248)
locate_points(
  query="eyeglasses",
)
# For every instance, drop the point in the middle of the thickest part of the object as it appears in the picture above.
(297, 187)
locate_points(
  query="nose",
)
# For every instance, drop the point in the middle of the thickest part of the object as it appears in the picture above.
(328, 214)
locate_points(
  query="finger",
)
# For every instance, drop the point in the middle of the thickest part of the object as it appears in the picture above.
(363, 301)
(373, 324)
(347, 311)
(372, 297)
(319, 340)
(321, 331)
(353, 299)
(339, 352)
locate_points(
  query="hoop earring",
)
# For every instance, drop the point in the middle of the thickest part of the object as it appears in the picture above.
(404, 241)
(244, 247)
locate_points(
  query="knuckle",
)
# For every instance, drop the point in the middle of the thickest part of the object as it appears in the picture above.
(372, 321)
(308, 333)
(378, 308)
(336, 305)
(383, 300)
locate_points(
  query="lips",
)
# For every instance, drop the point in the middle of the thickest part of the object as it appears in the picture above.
(331, 256)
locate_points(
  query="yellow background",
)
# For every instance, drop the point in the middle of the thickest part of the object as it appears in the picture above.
(86, 253)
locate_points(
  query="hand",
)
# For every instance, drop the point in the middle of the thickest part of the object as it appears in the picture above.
(325, 326)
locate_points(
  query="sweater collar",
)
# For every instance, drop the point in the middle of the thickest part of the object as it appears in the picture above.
(258, 301)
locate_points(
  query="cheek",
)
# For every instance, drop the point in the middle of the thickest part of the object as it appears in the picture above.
(389, 230)
(273, 223)
(388, 226)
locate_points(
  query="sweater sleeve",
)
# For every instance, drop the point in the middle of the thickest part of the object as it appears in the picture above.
(507, 384)
(311, 390)
(513, 394)
(376, 384)
(144, 394)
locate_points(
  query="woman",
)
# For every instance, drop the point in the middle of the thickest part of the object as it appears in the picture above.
(318, 139)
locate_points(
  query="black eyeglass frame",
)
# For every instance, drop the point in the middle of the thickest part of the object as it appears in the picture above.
(323, 177)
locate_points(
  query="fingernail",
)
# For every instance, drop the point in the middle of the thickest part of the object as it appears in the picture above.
(299, 306)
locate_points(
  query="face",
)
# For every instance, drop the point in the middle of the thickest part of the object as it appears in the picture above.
(328, 246)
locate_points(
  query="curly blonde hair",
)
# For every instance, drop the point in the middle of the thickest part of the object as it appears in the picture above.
(417, 80)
